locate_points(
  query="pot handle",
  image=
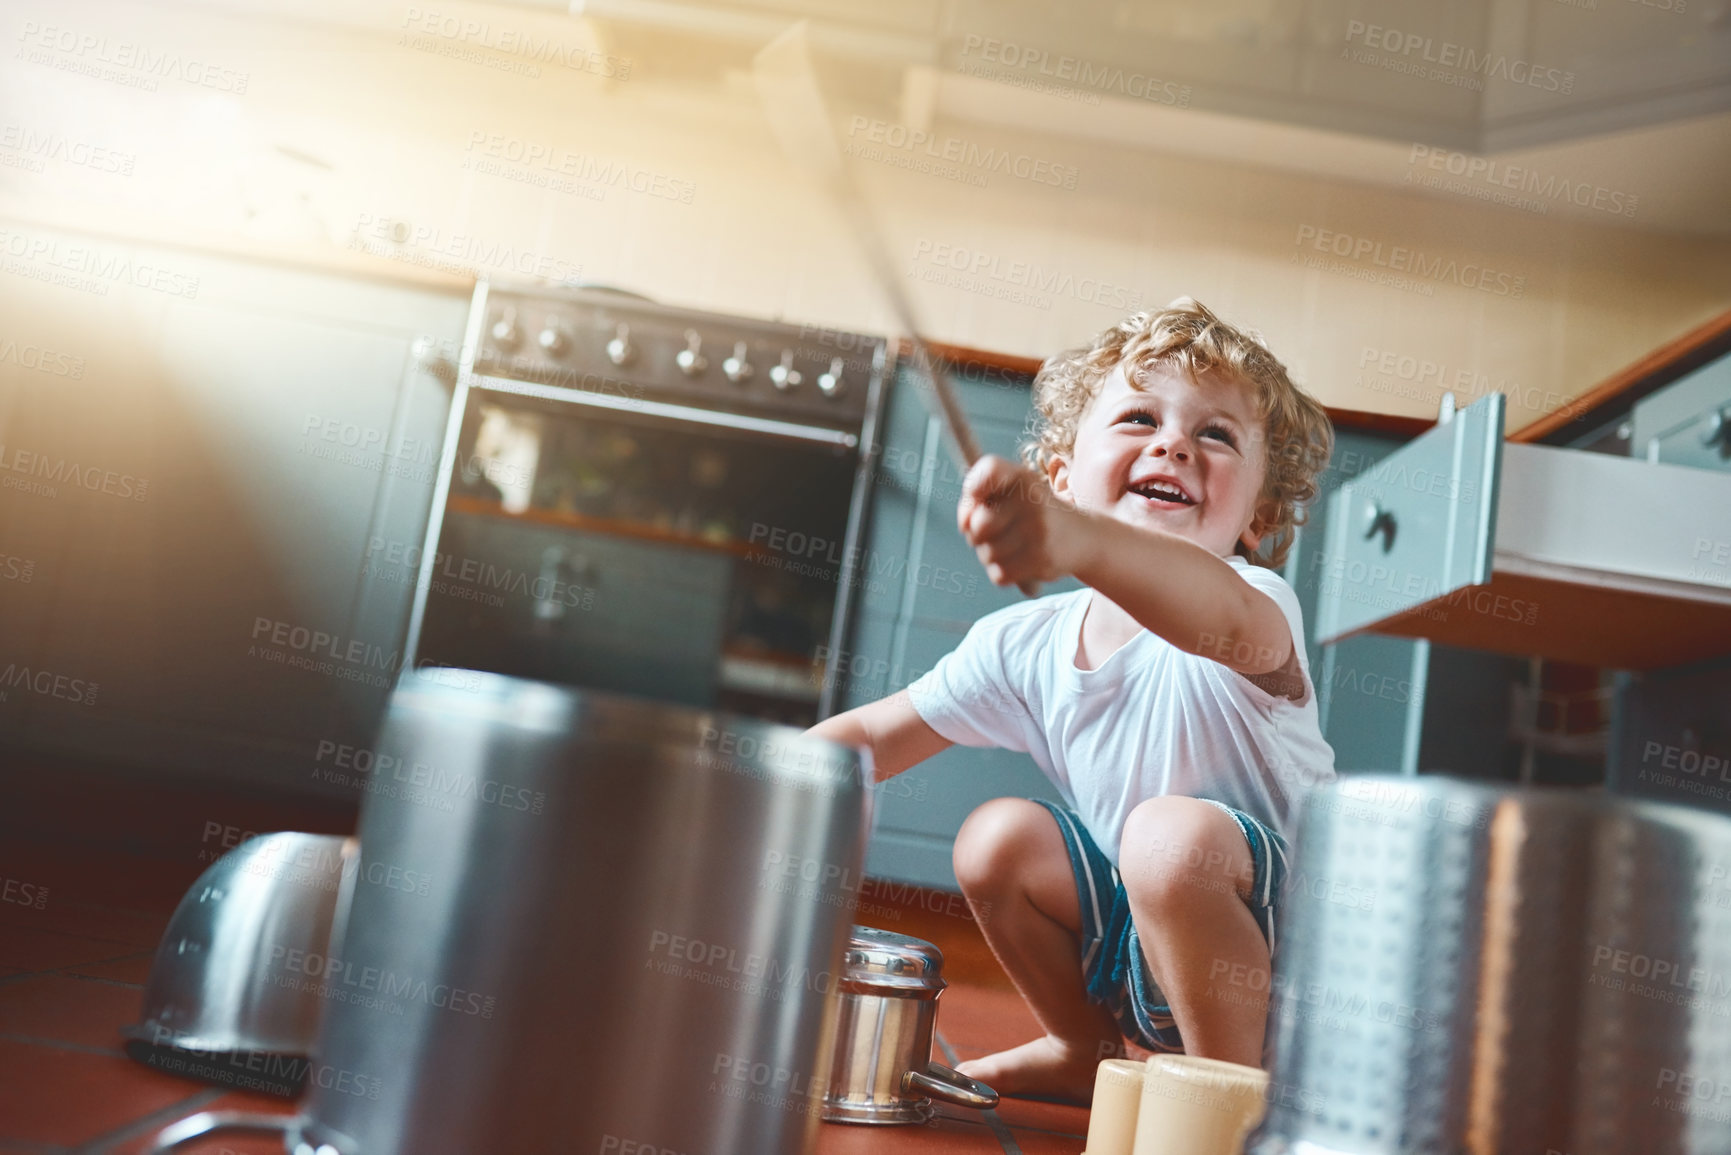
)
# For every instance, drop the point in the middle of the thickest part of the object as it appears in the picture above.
(176, 1135)
(939, 1082)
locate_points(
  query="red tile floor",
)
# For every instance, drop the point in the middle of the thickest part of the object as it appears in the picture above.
(91, 867)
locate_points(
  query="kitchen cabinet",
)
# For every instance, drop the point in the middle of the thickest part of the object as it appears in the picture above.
(1508, 550)
(1671, 728)
(271, 430)
(921, 589)
(1671, 736)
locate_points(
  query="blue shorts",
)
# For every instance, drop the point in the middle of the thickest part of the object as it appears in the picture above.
(1113, 968)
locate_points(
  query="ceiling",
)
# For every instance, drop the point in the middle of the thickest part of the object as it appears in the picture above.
(1478, 75)
(1615, 111)
(1604, 112)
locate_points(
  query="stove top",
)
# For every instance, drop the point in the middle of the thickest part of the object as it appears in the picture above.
(604, 341)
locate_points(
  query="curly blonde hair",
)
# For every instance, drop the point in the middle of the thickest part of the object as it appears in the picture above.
(1297, 432)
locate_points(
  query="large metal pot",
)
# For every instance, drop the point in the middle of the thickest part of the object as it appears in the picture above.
(1470, 968)
(610, 955)
(883, 1071)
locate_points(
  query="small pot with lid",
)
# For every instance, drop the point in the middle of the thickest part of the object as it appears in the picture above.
(883, 1070)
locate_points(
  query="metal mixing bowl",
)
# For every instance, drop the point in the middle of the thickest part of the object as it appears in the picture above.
(211, 1008)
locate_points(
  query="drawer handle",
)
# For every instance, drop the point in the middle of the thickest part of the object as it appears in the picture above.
(1380, 520)
(1716, 428)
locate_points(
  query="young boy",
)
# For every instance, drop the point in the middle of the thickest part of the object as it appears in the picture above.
(1170, 702)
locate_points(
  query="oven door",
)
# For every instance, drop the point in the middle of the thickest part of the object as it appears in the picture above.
(696, 560)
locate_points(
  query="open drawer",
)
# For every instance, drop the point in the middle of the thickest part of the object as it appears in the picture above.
(1530, 550)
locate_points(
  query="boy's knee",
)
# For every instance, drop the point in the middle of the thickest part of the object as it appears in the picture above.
(994, 838)
(1175, 848)
(1168, 828)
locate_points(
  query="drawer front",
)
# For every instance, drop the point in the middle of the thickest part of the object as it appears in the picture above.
(1415, 526)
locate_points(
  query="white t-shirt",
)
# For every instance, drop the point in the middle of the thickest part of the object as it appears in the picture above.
(1150, 720)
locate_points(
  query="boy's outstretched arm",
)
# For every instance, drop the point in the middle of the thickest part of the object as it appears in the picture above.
(1172, 586)
(890, 728)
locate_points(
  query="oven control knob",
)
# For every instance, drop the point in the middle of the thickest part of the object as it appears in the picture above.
(830, 382)
(785, 376)
(554, 339)
(737, 368)
(690, 359)
(620, 350)
(506, 335)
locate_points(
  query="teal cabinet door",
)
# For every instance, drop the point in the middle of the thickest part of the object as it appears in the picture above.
(923, 588)
(1369, 690)
(239, 601)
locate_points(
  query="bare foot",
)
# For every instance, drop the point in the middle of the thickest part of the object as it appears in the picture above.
(1045, 1068)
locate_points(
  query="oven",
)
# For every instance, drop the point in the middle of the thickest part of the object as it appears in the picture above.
(650, 501)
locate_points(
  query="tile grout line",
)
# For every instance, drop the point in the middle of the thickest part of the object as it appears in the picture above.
(72, 973)
(154, 1121)
(60, 1045)
(999, 1129)
(70, 969)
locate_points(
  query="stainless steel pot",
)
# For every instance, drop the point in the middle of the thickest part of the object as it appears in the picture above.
(611, 953)
(1469, 968)
(883, 1071)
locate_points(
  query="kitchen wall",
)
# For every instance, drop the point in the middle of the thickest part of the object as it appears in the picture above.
(323, 130)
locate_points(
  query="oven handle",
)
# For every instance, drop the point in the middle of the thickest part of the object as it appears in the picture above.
(739, 421)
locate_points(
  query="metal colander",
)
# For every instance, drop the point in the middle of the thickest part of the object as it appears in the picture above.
(1468, 968)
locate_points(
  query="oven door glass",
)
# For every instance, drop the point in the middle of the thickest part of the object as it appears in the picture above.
(640, 555)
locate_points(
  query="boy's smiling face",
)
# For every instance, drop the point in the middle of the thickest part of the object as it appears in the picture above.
(1173, 455)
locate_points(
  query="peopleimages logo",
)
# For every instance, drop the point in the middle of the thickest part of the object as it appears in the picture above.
(980, 271)
(1073, 70)
(47, 684)
(22, 893)
(1496, 175)
(392, 776)
(541, 159)
(431, 248)
(721, 965)
(41, 359)
(1411, 263)
(28, 463)
(1671, 979)
(425, 29)
(1406, 374)
(87, 53)
(40, 146)
(339, 979)
(86, 267)
(965, 155)
(1458, 64)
